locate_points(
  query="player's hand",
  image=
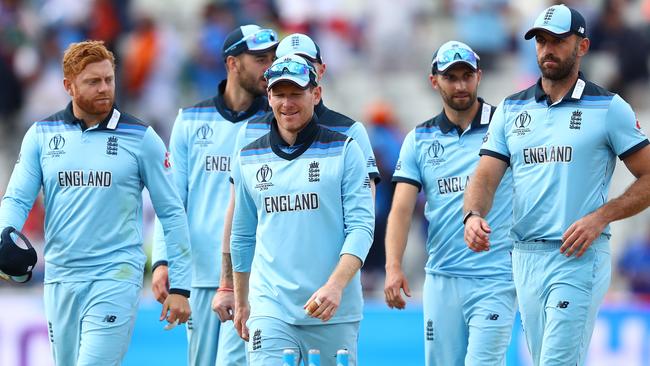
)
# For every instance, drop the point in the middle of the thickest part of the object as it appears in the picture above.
(160, 283)
(242, 312)
(477, 234)
(395, 282)
(176, 307)
(223, 303)
(581, 234)
(324, 302)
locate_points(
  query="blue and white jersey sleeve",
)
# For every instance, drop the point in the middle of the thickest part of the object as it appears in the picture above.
(407, 169)
(495, 144)
(155, 169)
(623, 131)
(244, 224)
(24, 184)
(358, 132)
(358, 207)
(179, 157)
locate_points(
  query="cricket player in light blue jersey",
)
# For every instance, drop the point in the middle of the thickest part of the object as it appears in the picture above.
(469, 298)
(560, 137)
(92, 162)
(201, 145)
(303, 224)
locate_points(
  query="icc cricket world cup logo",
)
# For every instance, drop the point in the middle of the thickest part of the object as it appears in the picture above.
(435, 152)
(264, 174)
(57, 142)
(521, 124)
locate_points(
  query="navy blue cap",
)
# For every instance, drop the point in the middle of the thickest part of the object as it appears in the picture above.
(559, 20)
(15, 262)
(249, 38)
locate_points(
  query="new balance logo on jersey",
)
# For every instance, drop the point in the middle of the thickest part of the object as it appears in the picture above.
(110, 319)
(548, 154)
(429, 330)
(80, 178)
(562, 305)
(492, 317)
(452, 184)
(217, 163)
(314, 172)
(576, 120)
(257, 339)
(111, 146)
(288, 203)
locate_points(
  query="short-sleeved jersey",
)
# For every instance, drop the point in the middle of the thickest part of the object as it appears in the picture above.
(201, 144)
(335, 121)
(440, 158)
(92, 182)
(297, 210)
(562, 154)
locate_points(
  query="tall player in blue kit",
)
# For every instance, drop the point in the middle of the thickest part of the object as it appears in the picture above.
(469, 299)
(303, 224)
(201, 145)
(560, 137)
(92, 162)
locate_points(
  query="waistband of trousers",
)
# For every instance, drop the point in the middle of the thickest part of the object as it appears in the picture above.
(601, 243)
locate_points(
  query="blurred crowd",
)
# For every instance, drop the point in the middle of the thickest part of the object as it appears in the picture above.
(377, 53)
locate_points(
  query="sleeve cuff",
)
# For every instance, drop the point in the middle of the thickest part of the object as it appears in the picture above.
(177, 291)
(634, 149)
(357, 243)
(157, 264)
(375, 176)
(415, 183)
(496, 155)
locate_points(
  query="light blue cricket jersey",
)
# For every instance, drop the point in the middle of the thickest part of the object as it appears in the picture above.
(92, 184)
(335, 121)
(295, 214)
(201, 144)
(562, 155)
(436, 156)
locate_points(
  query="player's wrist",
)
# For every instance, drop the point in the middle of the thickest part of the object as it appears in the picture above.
(470, 214)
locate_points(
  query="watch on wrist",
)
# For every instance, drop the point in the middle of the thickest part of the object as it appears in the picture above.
(470, 213)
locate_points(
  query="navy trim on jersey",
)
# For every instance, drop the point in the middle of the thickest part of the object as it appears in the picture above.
(304, 139)
(126, 121)
(634, 149)
(412, 182)
(332, 119)
(494, 155)
(590, 89)
(445, 125)
(258, 104)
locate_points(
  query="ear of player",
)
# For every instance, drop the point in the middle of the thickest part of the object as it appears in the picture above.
(16, 262)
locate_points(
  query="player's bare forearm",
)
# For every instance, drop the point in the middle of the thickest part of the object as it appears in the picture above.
(483, 185)
(242, 308)
(226, 271)
(346, 269)
(226, 261)
(373, 189)
(399, 222)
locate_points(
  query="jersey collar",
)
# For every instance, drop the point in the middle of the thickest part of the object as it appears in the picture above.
(303, 141)
(108, 123)
(320, 109)
(574, 95)
(481, 118)
(260, 103)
